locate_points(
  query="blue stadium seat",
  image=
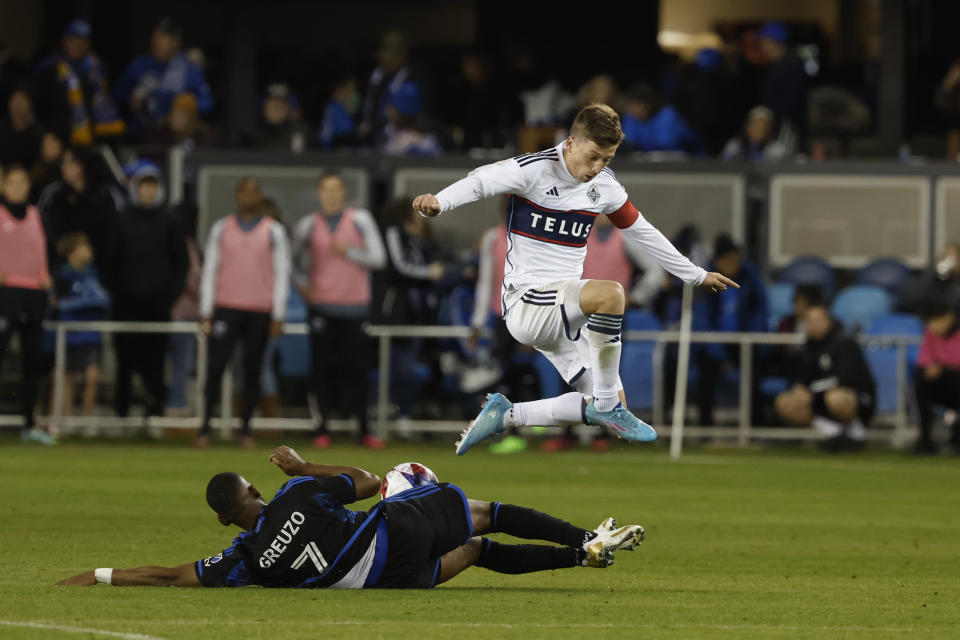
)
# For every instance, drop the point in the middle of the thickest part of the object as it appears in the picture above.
(811, 270)
(888, 273)
(779, 302)
(294, 350)
(857, 306)
(882, 358)
(636, 360)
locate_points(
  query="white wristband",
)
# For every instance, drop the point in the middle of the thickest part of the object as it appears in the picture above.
(104, 576)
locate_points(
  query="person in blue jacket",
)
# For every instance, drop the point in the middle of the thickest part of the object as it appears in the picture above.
(80, 297)
(151, 82)
(739, 310)
(651, 125)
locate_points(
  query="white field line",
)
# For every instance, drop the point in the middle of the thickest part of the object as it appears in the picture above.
(67, 629)
(575, 625)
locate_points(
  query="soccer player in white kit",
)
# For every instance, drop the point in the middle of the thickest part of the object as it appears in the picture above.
(555, 196)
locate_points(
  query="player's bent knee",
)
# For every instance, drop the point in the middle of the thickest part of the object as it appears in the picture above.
(603, 296)
(480, 515)
(841, 403)
(461, 558)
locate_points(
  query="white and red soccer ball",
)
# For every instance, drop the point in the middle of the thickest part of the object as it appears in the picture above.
(406, 476)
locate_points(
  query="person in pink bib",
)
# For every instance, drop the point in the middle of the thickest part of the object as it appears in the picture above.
(335, 249)
(24, 282)
(243, 297)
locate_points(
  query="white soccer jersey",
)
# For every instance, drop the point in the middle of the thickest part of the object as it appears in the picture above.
(551, 214)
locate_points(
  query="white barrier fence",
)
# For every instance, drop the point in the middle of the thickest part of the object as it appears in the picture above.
(743, 433)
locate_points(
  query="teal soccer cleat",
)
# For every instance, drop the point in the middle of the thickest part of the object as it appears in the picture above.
(621, 423)
(488, 422)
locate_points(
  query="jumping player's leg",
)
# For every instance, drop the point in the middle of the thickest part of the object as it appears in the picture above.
(603, 302)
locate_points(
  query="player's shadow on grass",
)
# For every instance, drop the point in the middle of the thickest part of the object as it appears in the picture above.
(514, 589)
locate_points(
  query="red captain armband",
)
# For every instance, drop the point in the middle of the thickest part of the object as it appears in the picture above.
(625, 216)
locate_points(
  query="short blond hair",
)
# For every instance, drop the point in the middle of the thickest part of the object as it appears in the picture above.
(599, 123)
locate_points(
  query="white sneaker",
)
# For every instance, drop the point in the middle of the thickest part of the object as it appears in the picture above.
(600, 549)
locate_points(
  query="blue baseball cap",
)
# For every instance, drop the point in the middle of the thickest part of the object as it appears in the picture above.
(78, 28)
(774, 30)
(406, 99)
(708, 59)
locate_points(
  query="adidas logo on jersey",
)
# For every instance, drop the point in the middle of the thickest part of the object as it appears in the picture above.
(553, 191)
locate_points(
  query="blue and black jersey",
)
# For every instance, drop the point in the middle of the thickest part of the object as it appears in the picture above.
(304, 537)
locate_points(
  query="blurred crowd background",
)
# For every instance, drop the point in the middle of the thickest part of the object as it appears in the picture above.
(99, 95)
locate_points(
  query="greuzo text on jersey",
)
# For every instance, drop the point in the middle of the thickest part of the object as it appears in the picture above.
(551, 214)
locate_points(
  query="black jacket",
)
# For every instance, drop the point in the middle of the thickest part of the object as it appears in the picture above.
(149, 259)
(835, 361)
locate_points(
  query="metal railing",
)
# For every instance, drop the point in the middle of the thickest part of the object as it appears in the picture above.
(743, 433)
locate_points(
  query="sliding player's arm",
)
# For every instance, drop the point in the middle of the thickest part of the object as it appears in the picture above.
(365, 483)
(506, 176)
(183, 576)
(636, 228)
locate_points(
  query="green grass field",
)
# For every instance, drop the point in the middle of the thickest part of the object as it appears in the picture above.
(740, 544)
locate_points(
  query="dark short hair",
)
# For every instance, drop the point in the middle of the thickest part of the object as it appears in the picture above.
(811, 292)
(10, 168)
(330, 173)
(70, 241)
(724, 244)
(223, 491)
(934, 307)
(599, 123)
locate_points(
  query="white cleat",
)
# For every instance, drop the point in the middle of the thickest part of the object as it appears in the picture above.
(609, 539)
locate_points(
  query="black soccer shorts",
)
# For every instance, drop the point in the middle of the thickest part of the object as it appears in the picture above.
(423, 524)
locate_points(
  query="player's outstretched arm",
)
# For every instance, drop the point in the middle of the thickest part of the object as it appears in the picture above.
(717, 282)
(290, 462)
(182, 576)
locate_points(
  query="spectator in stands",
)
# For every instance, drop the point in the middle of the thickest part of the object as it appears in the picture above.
(947, 99)
(20, 134)
(391, 77)
(704, 96)
(151, 82)
(650, 125)
(183, 345)
(147, 274)
(786, 361)
(941, 282)
(833, 390)
(757, 142)
(279, 127)
(72, 94)
(404, 134)
(46, 168)
(784, 88)
(735, 310)
(406, 294)
(334, 250)
(477, 108)
(339, 126)
(24, 282)
(182, 127)
(937, 378)
(243, 298)
(610, 258)
(80, 297)
(76, 203)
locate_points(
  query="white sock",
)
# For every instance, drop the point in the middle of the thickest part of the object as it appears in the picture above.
(552, 412)
(603, 334)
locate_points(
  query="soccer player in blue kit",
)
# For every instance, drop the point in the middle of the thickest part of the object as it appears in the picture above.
(554, 199)
(305, 536)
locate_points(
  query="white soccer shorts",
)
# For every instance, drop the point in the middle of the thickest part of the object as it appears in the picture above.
(549, 319)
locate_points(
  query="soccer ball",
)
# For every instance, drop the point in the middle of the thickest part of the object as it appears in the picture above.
(405, 476)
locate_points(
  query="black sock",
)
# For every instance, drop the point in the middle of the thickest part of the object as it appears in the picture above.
(534, 525)
(526, 558)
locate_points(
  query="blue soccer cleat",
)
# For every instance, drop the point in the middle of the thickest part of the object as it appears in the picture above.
(621, 423)
(488, 422)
